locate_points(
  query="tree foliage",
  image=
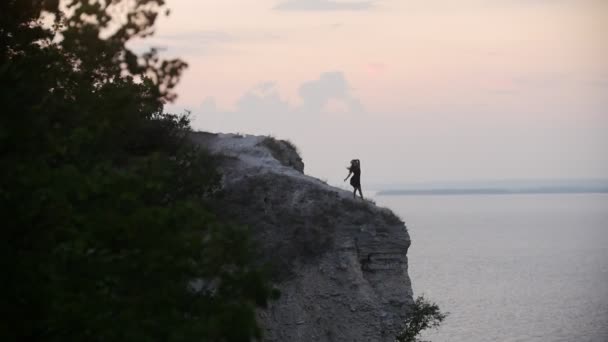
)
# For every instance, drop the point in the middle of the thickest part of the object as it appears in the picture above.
(423, 315)
(105, 232)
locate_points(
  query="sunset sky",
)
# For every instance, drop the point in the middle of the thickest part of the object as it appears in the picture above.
(419, 90)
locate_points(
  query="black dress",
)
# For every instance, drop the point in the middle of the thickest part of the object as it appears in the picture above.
(355, 180)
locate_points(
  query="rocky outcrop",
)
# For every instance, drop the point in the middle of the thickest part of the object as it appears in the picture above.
(285, 152)
(340, 264)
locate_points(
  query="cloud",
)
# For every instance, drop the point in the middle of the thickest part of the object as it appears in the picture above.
(324, 5)
(263, 98)
(202, 36)
(542, 2)
(202, 42)
(541, 79)
(262, 109)
(317, 94)
(218, 36)
(599, 82)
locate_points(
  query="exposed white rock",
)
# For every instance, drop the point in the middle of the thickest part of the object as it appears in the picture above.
(341, 263)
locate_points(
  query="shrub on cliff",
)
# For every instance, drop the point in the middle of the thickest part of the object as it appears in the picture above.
(423, 315)
(102, 197)
(285, 152)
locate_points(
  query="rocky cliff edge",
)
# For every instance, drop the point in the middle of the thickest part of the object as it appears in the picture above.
(341, 263)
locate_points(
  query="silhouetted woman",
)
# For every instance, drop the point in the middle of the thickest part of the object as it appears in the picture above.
(355, 181)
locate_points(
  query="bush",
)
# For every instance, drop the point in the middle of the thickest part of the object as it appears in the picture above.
(284, 151)
(103, 199)
(423, 315)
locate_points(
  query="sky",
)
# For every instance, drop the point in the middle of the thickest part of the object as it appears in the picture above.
(418, 90)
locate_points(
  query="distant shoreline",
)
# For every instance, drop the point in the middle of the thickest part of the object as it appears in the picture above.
(490, 191)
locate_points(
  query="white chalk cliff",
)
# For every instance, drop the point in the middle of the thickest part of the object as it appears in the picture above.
(340, 263)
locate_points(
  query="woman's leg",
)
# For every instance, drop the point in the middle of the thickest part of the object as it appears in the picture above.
(354, 192)
(360, 193)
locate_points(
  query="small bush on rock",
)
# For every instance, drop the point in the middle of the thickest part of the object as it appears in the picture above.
(423, 315)
(284, 151)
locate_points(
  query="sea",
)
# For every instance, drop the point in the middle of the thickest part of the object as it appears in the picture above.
(524, 267)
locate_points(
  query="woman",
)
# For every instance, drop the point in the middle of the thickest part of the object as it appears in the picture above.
(355, 170)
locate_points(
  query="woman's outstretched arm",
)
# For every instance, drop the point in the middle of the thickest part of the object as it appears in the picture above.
(350, 172)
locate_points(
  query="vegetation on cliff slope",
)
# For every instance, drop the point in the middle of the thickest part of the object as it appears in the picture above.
(423, 315)
(102, 197)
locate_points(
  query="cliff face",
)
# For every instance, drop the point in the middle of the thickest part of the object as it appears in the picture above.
(341, 264)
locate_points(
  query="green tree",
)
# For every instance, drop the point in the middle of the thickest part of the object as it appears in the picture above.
(106, 234)
(422, 315)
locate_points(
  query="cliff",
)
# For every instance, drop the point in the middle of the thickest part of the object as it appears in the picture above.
(341, 264)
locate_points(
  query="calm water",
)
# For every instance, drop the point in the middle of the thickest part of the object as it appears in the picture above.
(511, 267)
